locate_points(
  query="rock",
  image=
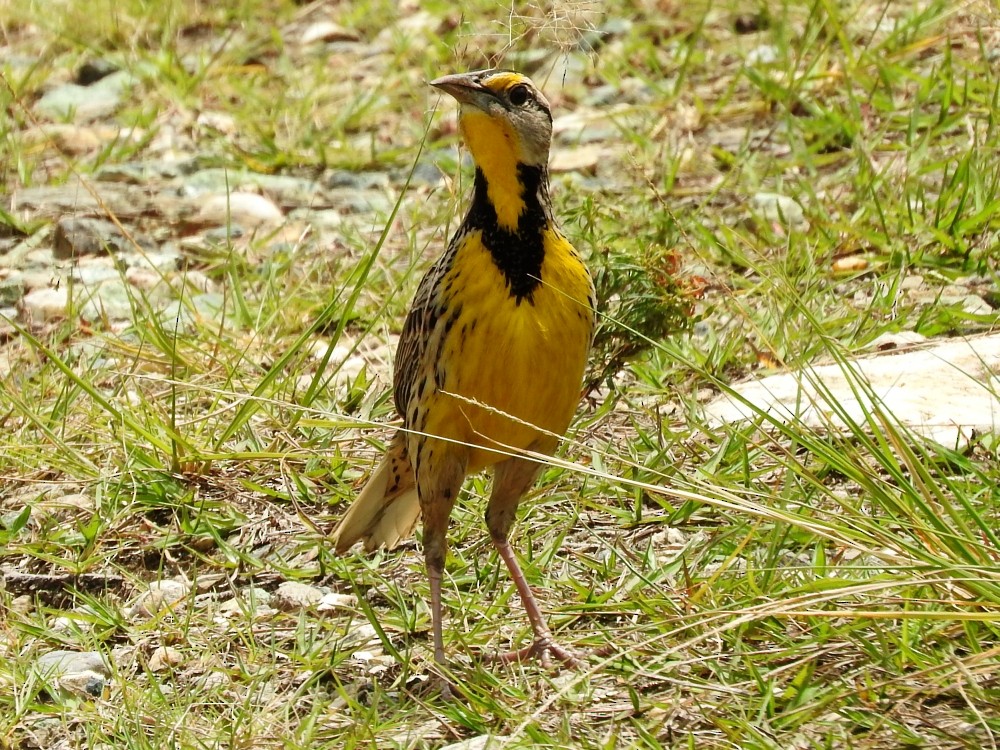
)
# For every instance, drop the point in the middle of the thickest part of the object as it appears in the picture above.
(165, 657)
(71, 101)
(11, 290)
(76, 236)
(352, 201)
(42, 305)
(94, 70)
(158, 596)
(72, 673)
(945, 392)
(140, 173)
(80, 196)
(210, 306)
(287, 190)
(71, 139)
(765, 54)
(780, 209)
(110, 300)
(898, 340)
(246, 209)
(76, 501)
(221, 122)
(333, 600)
(482, 742)
(580, 159)
(365, 180)
(849, 264)
(327, 31)
(292, 595)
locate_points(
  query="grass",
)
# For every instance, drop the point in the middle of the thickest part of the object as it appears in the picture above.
(759, 585)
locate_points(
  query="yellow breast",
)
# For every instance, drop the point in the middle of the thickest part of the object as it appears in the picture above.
(509, 365)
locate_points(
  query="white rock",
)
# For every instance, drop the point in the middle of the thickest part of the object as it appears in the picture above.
(292, 595)
(248, 210)
(160, 595)
(779, 208)
(165, 657)
(332, 601)
(327, 31)
(945, 392)
(42, 305)
(765, 54)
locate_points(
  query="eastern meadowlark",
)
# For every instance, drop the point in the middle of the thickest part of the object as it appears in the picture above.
(493, 350)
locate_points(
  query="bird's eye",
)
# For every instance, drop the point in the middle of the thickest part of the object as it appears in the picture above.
(518, 95)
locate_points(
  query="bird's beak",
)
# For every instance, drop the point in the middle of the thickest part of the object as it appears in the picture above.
(466, 89)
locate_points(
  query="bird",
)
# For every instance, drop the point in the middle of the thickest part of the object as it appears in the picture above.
(491, 358)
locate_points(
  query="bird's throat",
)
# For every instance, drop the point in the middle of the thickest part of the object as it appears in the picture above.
(518, 250)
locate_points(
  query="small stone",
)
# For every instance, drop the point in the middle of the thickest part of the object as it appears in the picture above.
(94, 70)
(898, 340)
(212, 680)
(73, 673)
(221, 122)
(765, 54)
(67, 137)
(292, 595)
(779, 208)
(71, 101)
(849, 264)
(165, 657)
(76, 236)
(110, 300)
(976, 305)
(158, 596)
(23, 604)
(42, 305)
(578, 159)
(79, 501)
(482, 742)
(11, 290)
(246, 209)
(327, 31)
(333, 600)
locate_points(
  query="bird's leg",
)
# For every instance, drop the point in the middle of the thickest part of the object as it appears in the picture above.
(512, 478)
(438, 485)
(544, 644)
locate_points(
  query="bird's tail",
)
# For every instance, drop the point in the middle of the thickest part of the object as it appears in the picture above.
(387, 509)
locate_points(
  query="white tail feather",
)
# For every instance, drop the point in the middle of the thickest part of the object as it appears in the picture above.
(377, 519)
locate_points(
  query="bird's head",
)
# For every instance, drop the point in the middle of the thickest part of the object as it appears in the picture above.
(503, 116)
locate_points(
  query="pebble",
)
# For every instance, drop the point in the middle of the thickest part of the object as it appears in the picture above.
(332, 601)
(579, 159)
(73, 673)
(246, 209)
(94, 70)
(158, 596)
(480, 742)
(779, 208)
(293, 595)
(11, 290)
(70, 138)
(73, 501)
(71, 101)
(765, 54)
(111, 300)
(75, 236)
(43, 305)
(221, 122)
(164, 658)
(327, 31)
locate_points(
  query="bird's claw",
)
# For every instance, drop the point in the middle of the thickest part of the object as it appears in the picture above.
(544, 648)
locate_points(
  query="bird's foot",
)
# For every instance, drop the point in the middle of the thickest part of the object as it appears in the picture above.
(544, 648)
